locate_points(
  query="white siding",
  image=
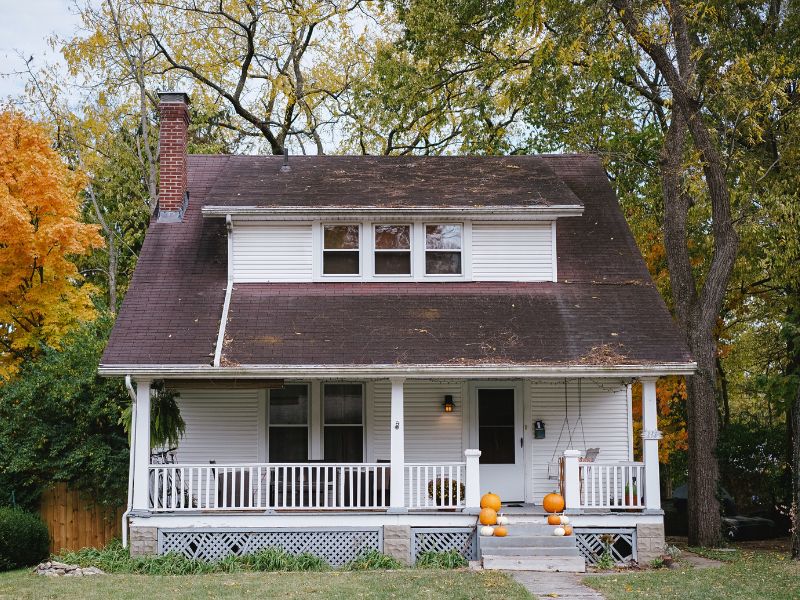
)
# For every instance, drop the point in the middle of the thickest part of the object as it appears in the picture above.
(512, 252)
(272, 252)
(604, 420)
(431, 434)
(224, 426)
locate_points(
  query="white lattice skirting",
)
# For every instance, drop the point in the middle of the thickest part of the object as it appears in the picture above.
(336, 546)
(592, 544)
(441, 539)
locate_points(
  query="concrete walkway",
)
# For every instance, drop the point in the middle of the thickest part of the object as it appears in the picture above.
(566, 586)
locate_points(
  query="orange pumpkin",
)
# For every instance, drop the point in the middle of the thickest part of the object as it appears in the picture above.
(553, 503)
(500, 531)
(491, 500)
(488, 516)
(567, 529)
(553, 520)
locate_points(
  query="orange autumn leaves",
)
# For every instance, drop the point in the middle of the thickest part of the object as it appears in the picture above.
(671, 398)
(41, 294)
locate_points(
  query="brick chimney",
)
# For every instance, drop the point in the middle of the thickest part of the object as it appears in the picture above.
(172, 197)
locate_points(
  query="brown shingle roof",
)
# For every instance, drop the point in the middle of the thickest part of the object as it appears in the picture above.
(389, 181)
(604, 309)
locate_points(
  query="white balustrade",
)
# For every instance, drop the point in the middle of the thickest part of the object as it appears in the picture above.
(435, 486)
(617, 485)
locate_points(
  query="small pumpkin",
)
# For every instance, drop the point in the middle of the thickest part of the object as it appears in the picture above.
(564, 519)
(559, 531)
(554, 520)
(487, 531)
(500, 532)
(490, 500)
(567, 529)
(502, 520)
(553, 503)
(488, 516)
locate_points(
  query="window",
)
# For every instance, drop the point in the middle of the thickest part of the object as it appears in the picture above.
(496, 436)
(343, 409)
(340, 250)
(288, 424)
(443, 249)
(392, 249)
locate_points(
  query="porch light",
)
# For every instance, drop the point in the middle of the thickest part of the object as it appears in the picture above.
(448, 403)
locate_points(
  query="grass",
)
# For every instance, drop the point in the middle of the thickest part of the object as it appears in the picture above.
(744, 576)
(345, 585)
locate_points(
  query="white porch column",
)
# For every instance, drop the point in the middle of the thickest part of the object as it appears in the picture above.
(140, 446)
(572, 481)
(650, 437)
(397, 496)
(472, 474)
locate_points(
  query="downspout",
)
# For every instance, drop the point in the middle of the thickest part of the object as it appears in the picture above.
(228, 290)
(131, 462)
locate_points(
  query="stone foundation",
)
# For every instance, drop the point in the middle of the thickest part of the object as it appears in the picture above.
(143, 541)
(649, 542)
(397, 542)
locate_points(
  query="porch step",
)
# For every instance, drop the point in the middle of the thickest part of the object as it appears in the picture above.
(522, 551)
(521, 541)
(569, 564)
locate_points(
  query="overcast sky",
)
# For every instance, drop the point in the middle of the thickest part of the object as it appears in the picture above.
(25, 26)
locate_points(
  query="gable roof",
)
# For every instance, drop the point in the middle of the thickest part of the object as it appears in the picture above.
(389, 182)
(603, 311)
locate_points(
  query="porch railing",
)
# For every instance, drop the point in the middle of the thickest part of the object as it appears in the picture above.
(294, 486)
(435, 486)
(611, 485)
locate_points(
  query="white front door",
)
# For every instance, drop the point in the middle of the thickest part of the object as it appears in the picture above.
(499, 437)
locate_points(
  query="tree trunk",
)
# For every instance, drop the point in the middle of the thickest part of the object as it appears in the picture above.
(112, 275)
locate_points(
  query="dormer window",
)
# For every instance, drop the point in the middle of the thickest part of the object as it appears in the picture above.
(392, 250)
(340, 250)
(443, 248)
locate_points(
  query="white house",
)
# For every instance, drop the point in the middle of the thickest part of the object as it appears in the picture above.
(362, 346)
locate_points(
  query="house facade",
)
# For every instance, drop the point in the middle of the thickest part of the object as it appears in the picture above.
(362, 346)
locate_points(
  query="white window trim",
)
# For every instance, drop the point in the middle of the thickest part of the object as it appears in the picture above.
(321, 251)
(363, 416)
(444, 276)
(373, 251)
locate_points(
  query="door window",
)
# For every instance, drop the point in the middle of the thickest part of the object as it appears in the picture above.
(497, 438)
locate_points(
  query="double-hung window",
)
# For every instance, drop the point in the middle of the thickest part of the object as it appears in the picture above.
(443, 249)
(343, 412)
(288, 424)
(340, 250)
(392, 250)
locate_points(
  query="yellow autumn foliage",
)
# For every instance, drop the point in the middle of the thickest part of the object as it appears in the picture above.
(41, 295)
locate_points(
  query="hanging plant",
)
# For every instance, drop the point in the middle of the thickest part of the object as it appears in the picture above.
(167, 426)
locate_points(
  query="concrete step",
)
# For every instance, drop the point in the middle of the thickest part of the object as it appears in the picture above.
(536, 541)
(571, 564)
(530, 529)
(531, 551)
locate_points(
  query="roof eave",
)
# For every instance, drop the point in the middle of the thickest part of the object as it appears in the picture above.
(407, 371)
(534, 213)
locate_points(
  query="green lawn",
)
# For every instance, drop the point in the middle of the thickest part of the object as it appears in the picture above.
(747, 576)
(433, 584)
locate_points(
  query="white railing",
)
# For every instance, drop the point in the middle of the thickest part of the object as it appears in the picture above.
(435, 486)
(611, 485)
(292, 486)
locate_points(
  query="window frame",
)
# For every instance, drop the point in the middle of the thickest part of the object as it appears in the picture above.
(410, 250)
(462, 272)
(307, 424)
(363, 423)
(323, 249)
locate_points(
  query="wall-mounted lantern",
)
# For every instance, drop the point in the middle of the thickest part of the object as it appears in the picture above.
(449, 405)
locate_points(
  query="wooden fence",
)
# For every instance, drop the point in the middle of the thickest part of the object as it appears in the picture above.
(74, 523)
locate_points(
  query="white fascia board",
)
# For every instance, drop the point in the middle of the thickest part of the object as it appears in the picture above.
(310, 213)
(385, 371)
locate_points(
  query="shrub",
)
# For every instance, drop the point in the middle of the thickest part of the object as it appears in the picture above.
(276, 559)
(450, 559)
(373, 560)
(24, 539)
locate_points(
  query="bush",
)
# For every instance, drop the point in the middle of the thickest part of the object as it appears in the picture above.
(373, 560)
(24, 539)
(451, 559)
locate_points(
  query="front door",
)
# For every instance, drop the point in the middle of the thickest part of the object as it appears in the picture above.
(499, 411)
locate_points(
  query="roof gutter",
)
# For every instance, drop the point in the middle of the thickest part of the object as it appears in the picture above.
(228, 290)
(408, 371)
(538, 213)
